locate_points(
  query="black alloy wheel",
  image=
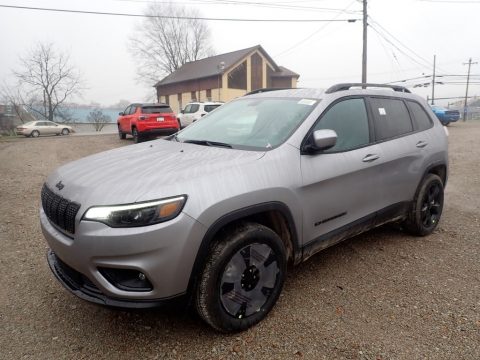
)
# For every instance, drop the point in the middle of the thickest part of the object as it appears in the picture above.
(427, 207)
(242, 279)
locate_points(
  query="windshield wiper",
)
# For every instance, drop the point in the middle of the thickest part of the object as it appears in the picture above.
(208, 143)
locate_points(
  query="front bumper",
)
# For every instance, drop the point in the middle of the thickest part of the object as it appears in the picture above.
(80, 286)
(164, 253)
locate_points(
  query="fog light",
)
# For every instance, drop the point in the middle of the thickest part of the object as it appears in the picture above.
(127, 279)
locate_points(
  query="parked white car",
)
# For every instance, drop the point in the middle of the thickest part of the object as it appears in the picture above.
(194, 111)
(37, 128)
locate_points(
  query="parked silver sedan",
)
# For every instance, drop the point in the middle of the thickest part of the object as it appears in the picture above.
(37, 128)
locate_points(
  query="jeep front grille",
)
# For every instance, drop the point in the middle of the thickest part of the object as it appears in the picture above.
(59, 211)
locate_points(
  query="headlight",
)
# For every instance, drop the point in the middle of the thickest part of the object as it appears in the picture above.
(137, 214)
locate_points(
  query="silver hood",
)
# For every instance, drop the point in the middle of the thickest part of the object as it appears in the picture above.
(146, 171)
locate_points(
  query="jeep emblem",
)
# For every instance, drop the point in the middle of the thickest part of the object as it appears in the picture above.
(59, 185)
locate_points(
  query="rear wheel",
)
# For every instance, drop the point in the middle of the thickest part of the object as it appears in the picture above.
(35, 133)
(136, 136)
(427, 208)
(65, 131)
(242, 278)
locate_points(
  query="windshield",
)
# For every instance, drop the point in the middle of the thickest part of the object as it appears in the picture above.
(250, 123)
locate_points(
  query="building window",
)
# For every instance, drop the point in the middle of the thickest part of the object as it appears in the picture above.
(209, 94)
(256, 72)
(167, 99)
(193, 96)
(179, 99)
(237, 78)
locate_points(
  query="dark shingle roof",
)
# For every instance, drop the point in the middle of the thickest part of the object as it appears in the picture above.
(284, 72)
(209, 66)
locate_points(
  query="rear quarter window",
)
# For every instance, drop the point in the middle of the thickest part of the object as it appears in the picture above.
(421, 120)
(391, 118)
(209, 108)
(156, 109)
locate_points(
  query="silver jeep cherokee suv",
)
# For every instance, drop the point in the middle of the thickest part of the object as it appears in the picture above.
(216, 212)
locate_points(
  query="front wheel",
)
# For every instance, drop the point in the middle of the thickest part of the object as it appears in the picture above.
(242, 279)
(65, 131)
(121, 134)
(35, 133)
(427, 207)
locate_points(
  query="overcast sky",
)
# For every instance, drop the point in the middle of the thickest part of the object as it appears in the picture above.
(403, 38)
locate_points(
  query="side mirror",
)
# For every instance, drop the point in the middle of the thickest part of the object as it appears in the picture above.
(321, 140)
(182, 111)
(121, 113)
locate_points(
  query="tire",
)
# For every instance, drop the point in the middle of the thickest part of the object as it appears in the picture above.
(121, 135)
(427, 207)
(136, 136)
(35, 133)
(242, 278)
(65, 131)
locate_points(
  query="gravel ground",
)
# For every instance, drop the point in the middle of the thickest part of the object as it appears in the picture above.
(381, 295)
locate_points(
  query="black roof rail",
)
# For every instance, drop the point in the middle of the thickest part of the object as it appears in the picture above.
(258, 91)
(347, 86)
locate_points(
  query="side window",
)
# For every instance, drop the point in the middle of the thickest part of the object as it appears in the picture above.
(133, 109)
(421, 119)
(349, 120)
(188, 109)
(127, 110)
(391, 118)
(194, 108)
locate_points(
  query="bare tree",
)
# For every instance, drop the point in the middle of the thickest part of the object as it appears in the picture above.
(12, 96)
(47, 79)
(166, 40)
(98, 118)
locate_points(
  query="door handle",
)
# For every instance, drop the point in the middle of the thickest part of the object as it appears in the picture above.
(421, 144)
(370, 158)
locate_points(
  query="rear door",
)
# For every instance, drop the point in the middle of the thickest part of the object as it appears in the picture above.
(401, 166)
(340, 185)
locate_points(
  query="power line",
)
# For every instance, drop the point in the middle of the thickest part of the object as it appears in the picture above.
(414, 53)
(312, 34)
(399, 49)
(172, 17)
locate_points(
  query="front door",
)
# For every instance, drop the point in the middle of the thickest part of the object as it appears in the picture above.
(340, 185)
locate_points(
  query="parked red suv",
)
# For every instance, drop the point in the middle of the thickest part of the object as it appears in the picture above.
(146, 120)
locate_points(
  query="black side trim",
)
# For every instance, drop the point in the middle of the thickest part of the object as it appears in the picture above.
(237, 215)
(389, 214)
(330, 218)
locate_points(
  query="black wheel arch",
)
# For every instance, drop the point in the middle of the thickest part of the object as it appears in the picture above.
(438, 168)
(266, 214)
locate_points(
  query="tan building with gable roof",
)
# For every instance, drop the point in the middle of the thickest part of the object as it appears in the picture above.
(223, 78)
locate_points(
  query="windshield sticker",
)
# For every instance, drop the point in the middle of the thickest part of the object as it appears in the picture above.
(382, 111)
(307, 102)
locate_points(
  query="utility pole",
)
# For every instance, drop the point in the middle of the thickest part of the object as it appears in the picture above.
(364, 54)
(470, 63)
(433, 80)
